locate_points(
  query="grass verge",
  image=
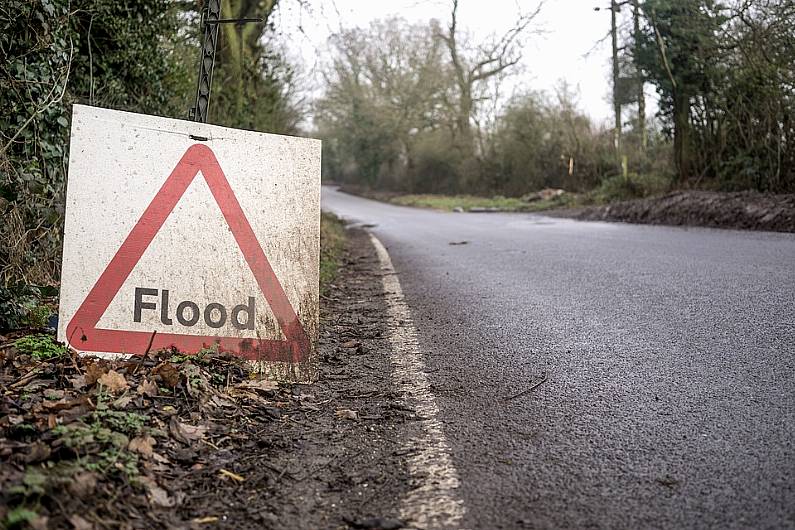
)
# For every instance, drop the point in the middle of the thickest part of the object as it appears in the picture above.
(472, 202)
(332, 241)
(611, 190)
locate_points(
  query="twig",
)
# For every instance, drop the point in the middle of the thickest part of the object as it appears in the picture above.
(151, 340)
(25, 379)
(148, 349)
(533, 387)
(281, 474)
(208, 442)
(233, 476)
(74, 361)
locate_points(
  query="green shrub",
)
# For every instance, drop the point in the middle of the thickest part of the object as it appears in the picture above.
(19, 517)
(16, 305)
(634, 186)
(56, 53)
(40, 347)
(38, 314)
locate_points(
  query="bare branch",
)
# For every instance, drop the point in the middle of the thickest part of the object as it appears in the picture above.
(661, 46)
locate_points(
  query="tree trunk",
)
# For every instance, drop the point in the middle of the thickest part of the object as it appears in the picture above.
(641, 97)
(464, 128)
(616, 103)
(681, 135)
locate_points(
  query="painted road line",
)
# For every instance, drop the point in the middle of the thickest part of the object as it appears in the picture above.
(435, 503)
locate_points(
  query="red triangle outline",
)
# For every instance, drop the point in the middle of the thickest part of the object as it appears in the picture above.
(83, 324)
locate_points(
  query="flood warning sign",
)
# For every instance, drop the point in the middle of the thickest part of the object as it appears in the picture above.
(191, 236)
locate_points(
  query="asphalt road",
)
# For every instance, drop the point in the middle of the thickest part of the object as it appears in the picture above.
(669, 353)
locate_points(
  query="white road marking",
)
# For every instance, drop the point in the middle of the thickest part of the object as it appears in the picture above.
(435, 503)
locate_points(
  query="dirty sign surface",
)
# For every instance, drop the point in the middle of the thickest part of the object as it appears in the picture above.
(189, 235)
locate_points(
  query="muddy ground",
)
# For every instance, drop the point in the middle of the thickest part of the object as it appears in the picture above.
(742, 210)
(190, 442)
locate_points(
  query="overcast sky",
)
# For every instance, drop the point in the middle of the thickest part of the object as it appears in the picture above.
(566, 49)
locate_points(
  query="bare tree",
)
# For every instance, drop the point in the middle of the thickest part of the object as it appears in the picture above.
(474, 66)
(386, 86)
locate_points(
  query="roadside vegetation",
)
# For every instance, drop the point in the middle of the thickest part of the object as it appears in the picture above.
(611, 189)
(137, 56)
(332, 243)
(456, 203)
(85, 442)
(419, 108)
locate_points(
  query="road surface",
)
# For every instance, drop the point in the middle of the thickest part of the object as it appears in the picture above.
(669, 355)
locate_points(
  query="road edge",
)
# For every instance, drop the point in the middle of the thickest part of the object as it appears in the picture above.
(435, 502)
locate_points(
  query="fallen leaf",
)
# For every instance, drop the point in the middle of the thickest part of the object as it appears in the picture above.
(185, 433)
(167, 373)
(78, 381)
(347, 414)
(157, 495)
(52, 393)
(83, 484)
(94, 371)
(122, 402)
(114, 382)
(39, 452)
(40, 522)
(79, 523)
(64, 404)
(142, 445)
(147, 388)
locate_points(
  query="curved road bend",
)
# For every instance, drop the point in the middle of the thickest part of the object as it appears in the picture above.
(669, 352)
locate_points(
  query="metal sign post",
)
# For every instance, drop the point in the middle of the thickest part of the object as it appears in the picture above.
(211, 18)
